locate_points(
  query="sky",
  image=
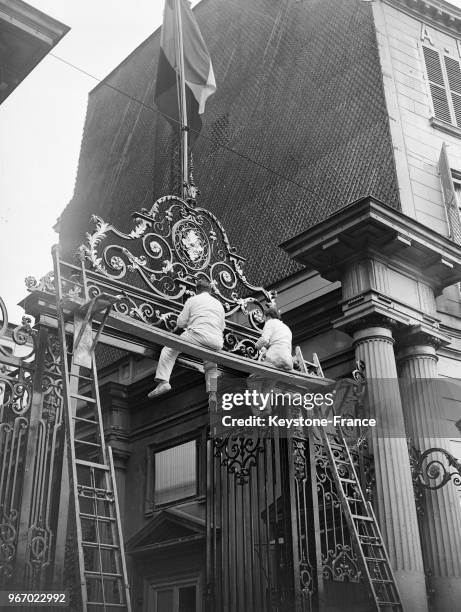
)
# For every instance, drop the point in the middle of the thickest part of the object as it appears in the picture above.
(41, 126)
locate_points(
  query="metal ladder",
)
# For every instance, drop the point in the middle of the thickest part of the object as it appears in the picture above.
(101, 557)
(360, 517)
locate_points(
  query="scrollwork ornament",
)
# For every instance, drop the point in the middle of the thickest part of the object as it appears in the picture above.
(432, 468)
(170, 246)
(238, 455)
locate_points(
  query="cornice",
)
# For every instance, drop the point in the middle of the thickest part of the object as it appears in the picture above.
(368, 225)
(40, 24)
(437, 13)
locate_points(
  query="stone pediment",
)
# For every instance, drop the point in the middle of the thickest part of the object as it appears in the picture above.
(168, 527)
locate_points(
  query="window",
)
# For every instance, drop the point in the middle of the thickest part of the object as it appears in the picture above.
(444, 76)
(451, 187)
(457, 186)
(175, 473)
(180, 597)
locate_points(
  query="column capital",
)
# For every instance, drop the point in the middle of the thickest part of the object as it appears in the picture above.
(378, 325)
(418, 342)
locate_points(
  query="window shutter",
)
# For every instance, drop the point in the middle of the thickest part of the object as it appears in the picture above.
(454, 82)
(437, 85)
(449, 194)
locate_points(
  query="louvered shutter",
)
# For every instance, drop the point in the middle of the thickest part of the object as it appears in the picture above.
(454, 83)
(437, 84)
(449, 194)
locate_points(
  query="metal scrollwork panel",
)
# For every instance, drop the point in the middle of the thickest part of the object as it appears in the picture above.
(153, 269)
(433, 468)
(238, 455)
(338, 559)
(16, 375)
(47, 464)
(302, 492)
(170, 246)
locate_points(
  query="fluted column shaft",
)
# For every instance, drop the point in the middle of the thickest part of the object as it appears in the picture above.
(395, 502)
(441, 519)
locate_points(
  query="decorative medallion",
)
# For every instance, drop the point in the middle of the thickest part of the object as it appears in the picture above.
(191, 245)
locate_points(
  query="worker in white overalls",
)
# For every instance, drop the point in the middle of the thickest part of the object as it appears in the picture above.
(203, 319)
(276, 338)
(275, 345)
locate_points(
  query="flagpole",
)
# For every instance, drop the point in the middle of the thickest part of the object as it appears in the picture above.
(182, 105)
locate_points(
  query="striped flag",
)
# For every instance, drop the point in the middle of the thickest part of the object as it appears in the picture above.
(198, 71)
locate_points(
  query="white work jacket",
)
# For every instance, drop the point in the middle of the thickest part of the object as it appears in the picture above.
(204, 315)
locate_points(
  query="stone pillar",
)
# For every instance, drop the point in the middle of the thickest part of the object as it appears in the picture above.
(114, 400)
(395, 502)
(440, 521)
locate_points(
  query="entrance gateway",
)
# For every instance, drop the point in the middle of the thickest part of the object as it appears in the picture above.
(59, 497)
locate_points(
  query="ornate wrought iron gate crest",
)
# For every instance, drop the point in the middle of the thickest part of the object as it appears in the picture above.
(154, 267)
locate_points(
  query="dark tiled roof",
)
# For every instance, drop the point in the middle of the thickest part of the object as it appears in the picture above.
(299, 90)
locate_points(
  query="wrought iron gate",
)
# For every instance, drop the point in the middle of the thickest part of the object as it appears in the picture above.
(277, 536)
(31, 442)
(250, 526)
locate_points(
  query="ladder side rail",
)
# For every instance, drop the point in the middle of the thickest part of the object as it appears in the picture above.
(384, 551)
(98, 412)
(68, 413)
(98, 539)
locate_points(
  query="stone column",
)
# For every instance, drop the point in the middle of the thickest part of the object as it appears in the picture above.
(116, 414)
(440, 521)
(395, 502)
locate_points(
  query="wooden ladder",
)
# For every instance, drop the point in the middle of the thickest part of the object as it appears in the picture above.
(101, 557)
(358, 511)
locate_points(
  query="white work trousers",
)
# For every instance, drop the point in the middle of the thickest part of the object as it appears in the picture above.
(168, 355)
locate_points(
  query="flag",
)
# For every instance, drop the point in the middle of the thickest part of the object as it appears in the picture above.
(198, 71)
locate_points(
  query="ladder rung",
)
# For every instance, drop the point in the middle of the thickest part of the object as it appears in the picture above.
(72, 281)
(100, 545)
(76, 418)
(389, 603)
(99, 466)
(360, 517)
(376, 559)
(377, 541)
(77, 441)
(348, 480)
(100, 518)
(83, 397)
(103, 574)
(107, 604)
(82, 377)
(381, 581)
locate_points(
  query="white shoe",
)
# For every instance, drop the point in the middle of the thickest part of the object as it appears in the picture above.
(160, 389)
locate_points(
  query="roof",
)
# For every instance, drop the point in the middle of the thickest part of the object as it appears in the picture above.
(26, 36)
(297, 129)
